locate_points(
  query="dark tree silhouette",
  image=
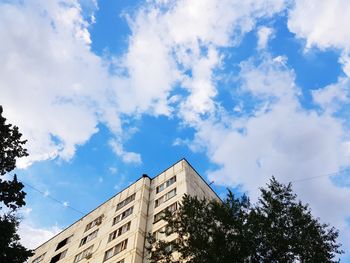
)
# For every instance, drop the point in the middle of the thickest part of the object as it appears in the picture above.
(278, 228)
(11, 194)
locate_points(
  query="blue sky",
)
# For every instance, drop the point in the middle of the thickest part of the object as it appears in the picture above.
(105, 91)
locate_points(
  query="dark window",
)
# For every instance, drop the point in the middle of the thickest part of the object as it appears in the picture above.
(63, 242)
(39, 259)
(58, 257)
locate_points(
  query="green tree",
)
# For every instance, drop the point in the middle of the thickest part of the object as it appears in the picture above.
(285, 230)
(206, 231)
(278, 228)
(11, 194)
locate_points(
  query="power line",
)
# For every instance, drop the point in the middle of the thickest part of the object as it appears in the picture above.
(319, 176)
(307, 179)
(65, 204)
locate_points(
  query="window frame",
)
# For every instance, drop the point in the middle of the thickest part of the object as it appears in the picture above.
(39, 258)
(166, 184)
(113, 250)
(61, 256)
(63, 242)
(97, 221)
(83, 254)
(118, 232)
(162, 199)
(88, 238)
(126, 201)
(122, 215)
(157, 217)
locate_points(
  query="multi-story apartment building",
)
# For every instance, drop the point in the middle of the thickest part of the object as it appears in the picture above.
(115, 231)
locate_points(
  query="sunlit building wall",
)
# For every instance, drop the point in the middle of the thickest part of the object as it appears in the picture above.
(115, 231)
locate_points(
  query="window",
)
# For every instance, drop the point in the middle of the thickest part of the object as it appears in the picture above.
(172, 208)
(121, 230)
(125, 202)
(159, 234)
(166, 184)
(171, 181)
(63, 242)
(84, 254)
(120, 261)
(116, 249)
(89, 237)
(123, 215)
(162, 232)
(58, 257)
(39, 259)
(165, 197)
(171, 194)
(93, 223)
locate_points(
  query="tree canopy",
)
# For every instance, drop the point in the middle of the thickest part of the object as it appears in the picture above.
(11, 193)
(278, 228)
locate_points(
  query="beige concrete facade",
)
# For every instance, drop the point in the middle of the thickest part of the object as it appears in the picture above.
(115, 231)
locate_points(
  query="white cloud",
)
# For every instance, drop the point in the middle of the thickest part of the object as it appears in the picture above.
(283, 140)
(324, 24)
(263, 82)
(334, 96)
(57, 91)
(52, 84)
(345, 61)
(176, 44)
(264, 35)
(32, 237)
(127, 157)
(280, 137)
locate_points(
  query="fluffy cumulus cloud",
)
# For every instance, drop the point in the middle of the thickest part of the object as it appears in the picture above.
(275, 134)
(333, 97)
(278, 137)
(58, 91)
(50, 77)
(326, 23)
(178, 43)
(282, 139)
(52, 85)
(32, 237)
(323, 24)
